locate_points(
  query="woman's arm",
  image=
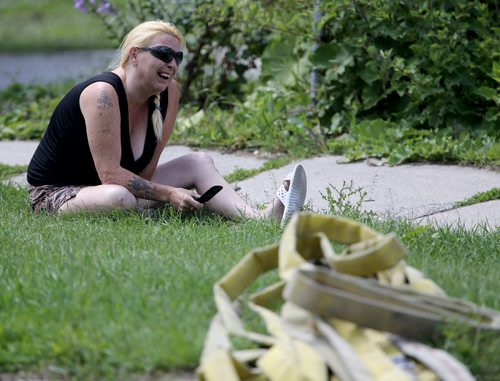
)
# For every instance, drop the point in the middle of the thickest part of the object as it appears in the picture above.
(100, 108)
(168, 128)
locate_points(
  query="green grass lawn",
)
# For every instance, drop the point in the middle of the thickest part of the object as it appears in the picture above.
(103, 296)
(111, 296)
(45, 25)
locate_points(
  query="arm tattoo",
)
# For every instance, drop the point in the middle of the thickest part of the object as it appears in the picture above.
(104, 101)
(142, 187)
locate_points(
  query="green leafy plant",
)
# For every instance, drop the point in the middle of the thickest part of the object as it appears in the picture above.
(220, 51)
(25, 110)
(423, 65)
(400, 144)
(272, 119)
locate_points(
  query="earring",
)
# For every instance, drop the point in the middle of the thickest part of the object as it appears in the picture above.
(134, 64)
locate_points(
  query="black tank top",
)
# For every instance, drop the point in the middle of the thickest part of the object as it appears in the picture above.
(63, 156)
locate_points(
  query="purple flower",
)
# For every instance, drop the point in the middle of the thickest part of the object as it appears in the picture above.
(105, 7)
(80, 5)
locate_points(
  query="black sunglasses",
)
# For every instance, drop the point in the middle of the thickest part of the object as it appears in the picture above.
(165, 54)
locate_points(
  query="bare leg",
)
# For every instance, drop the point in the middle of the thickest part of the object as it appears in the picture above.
(100, 198)
(194, 170)
(197, 170)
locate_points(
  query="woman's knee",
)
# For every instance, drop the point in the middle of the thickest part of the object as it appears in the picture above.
(118, 197)
(201, 160)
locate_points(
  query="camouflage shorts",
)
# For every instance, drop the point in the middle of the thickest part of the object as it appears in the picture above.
(50, 198)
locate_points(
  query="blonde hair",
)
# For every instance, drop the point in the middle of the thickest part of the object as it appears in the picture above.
(140, 36)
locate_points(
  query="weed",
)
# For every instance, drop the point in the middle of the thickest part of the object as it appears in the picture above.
(346, 201)
(7, 171)
(492, 194)
(241, 174)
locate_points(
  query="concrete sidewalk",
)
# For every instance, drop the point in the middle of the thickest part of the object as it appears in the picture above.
(422, 192)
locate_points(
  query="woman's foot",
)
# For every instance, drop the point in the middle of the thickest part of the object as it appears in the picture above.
(276, 209)
(291, 196)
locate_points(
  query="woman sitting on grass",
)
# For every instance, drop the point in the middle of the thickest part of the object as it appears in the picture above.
(101, 149)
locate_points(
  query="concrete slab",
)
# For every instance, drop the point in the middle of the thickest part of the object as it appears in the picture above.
(484, 215)
(17, 152)
(20, 152)
(224, 162)
(408, 191)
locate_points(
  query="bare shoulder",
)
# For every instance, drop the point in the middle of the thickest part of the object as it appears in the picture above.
(101, 111)
(99, 96)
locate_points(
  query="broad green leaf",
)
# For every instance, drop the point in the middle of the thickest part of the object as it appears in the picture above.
(399, 155)
(371, 95)
(191, 122)
(495, 73)
(279, 58)
(370, 73)
(335, 122)
(333, 56)
(488, 93)
(371, 129)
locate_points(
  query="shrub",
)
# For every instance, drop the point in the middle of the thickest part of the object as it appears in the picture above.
(220, 50)
(426, 65)
(25, 110)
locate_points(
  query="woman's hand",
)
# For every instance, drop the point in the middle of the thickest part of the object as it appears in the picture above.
(183, 201)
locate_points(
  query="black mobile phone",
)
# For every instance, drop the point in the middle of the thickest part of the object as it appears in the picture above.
(207, 196)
